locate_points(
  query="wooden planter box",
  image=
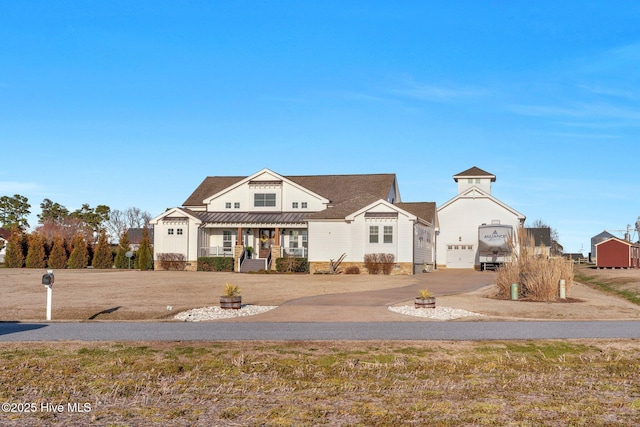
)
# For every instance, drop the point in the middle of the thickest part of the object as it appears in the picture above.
(231, 303)
(425, 302)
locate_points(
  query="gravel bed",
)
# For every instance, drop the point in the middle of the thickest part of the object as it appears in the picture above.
(438, 313)
(214, 313)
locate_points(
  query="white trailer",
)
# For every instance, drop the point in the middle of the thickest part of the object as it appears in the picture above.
(494, 245)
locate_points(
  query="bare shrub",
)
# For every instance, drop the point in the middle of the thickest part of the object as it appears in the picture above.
(376, 263)
(371, 263)
(388, 261)
(538, 277)
(352, 269)
(172, 261)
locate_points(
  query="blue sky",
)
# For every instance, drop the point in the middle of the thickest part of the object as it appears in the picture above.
(133, 103)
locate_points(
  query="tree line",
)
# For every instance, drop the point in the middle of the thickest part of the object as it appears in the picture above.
(73, 239)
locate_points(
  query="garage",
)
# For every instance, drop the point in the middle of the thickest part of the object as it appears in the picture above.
(461, 256)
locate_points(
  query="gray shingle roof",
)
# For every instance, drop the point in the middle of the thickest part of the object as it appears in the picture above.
(474, 172)
(336, 188)
(541, 236)
(423, 210)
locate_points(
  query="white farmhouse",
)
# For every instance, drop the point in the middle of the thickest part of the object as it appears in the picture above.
(317, 217)
(460, 217)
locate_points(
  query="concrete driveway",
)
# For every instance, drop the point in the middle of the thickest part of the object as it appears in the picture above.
(371, 306)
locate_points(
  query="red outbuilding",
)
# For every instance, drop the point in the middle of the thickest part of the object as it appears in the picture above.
(617, 253)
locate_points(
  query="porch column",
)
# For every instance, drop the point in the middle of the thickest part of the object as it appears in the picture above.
(275, 249)
(237, 251)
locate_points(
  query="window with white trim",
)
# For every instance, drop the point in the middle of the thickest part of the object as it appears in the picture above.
(304, 205)
(227, 205)
(236, 205)
(227, 240)
(373, 234)
(294, 205)
(170, 231)
(387, 236)
(179, 231)
(264, 200)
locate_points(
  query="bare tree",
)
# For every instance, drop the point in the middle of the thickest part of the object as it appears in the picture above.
(121, 221)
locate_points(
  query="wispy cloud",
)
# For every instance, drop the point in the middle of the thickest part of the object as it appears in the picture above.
(585, 110)
(15, 187)
(436, 93)
(608, 91)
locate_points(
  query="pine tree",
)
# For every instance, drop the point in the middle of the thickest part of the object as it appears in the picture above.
(36, 257)
(58, 255)
(102, 257)
(123, 247)
(145, 252)
(79, 257)
(14, 257)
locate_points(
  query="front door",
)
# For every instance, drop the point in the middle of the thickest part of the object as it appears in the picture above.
(266, 238)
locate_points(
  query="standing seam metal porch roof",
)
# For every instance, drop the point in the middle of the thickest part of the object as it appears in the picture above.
(252, 217)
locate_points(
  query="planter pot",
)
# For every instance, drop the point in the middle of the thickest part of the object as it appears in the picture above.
(425, 302)
(234, 303)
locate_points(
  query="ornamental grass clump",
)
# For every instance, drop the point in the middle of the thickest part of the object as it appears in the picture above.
(537, 276)
(425, 293)
(231, 290)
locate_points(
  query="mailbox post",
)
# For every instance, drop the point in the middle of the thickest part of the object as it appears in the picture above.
(47, 281)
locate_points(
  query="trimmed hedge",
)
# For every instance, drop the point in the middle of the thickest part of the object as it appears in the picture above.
(215, 264)
(292, 265)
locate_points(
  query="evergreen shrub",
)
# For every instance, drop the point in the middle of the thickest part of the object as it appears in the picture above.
(215, 264)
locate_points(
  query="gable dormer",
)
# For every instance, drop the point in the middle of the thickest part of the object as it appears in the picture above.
(265, 191)
(474, 177)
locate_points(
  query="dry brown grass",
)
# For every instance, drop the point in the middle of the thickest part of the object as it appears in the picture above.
(550, 383)
(537, 277)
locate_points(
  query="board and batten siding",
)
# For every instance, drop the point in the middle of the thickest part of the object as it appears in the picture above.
(460, 220)
(241, 197)
(329, 240)
(183, 239)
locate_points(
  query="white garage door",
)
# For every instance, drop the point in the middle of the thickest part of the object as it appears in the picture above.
(461, 256)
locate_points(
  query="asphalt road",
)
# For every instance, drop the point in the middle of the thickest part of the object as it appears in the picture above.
(281, 331)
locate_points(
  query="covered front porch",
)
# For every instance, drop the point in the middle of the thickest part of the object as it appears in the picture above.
(259, 242)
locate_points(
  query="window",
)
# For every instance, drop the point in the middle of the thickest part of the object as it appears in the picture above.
(179, 231)
(264, 199)
(388, 234)
(373, 234)
(236, 205)
(304, 205)
(227, 205)
(294, 205)
(293, 239)
(226, 241)
(170, 231)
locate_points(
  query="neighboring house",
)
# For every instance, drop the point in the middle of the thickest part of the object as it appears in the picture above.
(4, 240)
(317, 217)
(460, 217)
(135, 237)
(605, 235)
(617, 253)
(541, 240)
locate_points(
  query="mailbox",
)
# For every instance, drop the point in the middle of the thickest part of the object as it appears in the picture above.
(47, 279)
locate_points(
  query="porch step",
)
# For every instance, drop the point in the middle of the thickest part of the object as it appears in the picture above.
(252, 265)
